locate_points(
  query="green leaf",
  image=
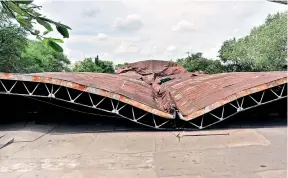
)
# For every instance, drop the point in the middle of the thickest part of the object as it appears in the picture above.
(36, 14)
(60, 24)
(25, 23)
(56, 40)
(24, 1)
(45, 24)
(45, 41)
(56, 23)
(15, 8)
(63, 31)
(23, 17)
(55, 46)
(20, 17)
(47, 20)
(46, 32)
(30, 9)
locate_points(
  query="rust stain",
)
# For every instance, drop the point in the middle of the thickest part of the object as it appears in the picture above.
(5, 76)
(63, 82)
(193, 94)
(79, 87)
(234, 97)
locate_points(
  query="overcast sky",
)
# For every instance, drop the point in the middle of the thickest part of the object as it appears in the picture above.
(133, 30)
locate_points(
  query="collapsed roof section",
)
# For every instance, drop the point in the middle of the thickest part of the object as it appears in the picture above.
(154, 93)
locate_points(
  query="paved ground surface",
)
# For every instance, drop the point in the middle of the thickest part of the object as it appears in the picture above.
(97, 151)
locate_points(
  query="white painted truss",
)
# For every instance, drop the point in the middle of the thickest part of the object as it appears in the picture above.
(120, 109)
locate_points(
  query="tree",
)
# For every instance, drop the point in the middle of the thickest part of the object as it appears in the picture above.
(19, 55)
(264, 49)
(121, 65)
(37, 57)
(196, 62)
(27, 15)
(88, 65)
(12, 42)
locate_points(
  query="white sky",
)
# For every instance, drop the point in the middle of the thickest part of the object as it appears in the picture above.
(133, 30)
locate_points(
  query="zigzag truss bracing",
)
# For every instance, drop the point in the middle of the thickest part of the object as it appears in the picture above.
(99, 103)
(117, 108)
(240, 105)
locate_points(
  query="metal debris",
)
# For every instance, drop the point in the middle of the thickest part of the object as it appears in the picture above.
(136, 92)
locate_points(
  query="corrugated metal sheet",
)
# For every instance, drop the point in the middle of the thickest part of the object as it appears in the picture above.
(198, 95)
(193, 94)
(130, 91)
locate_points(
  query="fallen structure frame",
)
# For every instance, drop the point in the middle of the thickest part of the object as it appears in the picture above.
(240, 105)
(100, 103)
(270, 87)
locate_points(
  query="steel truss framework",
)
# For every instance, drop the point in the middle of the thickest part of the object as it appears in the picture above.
(120, 109)
(97, 102)
(239, 105)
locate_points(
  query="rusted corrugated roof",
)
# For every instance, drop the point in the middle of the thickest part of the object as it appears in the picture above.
(198, 95)
(160, 87)
(124, 89)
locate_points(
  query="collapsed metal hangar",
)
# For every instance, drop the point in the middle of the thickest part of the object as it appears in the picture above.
(152, 93)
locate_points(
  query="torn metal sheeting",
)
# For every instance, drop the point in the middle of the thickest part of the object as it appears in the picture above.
(154, 93)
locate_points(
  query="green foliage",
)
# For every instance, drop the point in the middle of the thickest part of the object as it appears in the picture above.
(27, 15)
(121, 65)
(63, 31)
(39, 58)
(55, 46)
(196, 62)
(264, 49)
(88, 65)
(12, 42)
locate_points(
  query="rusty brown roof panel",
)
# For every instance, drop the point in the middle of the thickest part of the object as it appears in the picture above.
(140, 85)
(198, 95)
(130, 91)
(134, 89)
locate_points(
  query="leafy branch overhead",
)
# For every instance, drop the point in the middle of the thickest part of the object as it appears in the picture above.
(27, 15)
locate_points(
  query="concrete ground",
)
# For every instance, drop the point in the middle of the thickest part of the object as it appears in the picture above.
(101, 151)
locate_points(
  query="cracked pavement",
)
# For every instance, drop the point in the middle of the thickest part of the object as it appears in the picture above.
(89, 151)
